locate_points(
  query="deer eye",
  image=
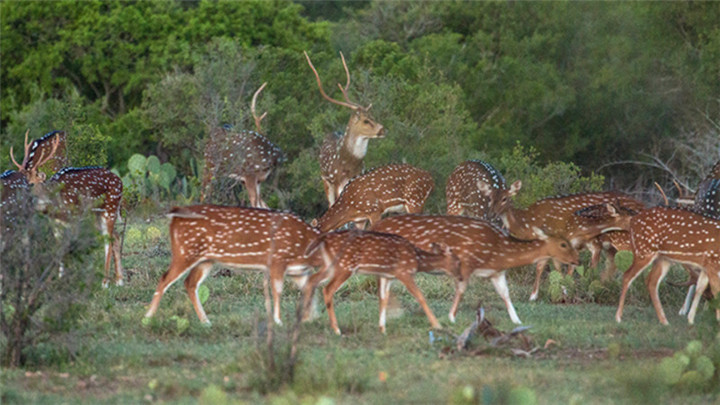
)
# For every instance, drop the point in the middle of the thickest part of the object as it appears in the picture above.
(563, 245)
(366, 121)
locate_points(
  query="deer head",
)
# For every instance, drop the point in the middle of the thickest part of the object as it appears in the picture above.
(30, 167)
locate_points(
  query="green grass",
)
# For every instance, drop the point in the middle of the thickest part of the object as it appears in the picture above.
(120, 360)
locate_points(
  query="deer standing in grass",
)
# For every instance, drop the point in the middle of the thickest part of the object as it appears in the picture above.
(556, 216)
(483, 249)
(342, 153)
(391, 188)
(663, 235)
(75, 184)
(389, 257)
(246, 238)
(476, 189)
(245, 156)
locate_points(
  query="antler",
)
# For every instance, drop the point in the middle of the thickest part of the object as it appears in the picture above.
(667, 203)
(349, 103)
(50, 155)
(252, 108)
(25, 157)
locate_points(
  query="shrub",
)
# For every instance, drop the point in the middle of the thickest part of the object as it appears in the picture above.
(36, 304)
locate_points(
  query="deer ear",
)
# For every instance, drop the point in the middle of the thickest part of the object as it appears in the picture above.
(515, 187)
(539, 233)
(42, 176)
(314, 223)
(611, 210)
(484, 188)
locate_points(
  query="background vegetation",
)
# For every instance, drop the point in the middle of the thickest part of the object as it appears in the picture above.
(589, 83)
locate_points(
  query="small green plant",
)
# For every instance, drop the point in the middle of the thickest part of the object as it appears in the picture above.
(691, 369)
(147, 178)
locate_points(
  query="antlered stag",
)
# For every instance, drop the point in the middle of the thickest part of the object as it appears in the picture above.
(247, 238)
(391, 188)
(342, 153)
(483, 249)
(390, 257)
(246, 156)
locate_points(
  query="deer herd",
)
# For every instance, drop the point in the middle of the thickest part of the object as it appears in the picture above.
(482, 233)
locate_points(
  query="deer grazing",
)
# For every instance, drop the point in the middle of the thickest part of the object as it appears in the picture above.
(483, 249)
(75, 185)
(342, 154)
(663, 235)
(389, 257)
(476, 189)
(391, 188)
(247, 238)
(245, 156)
(556, 216)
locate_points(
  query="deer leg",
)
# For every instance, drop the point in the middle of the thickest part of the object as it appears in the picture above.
(308, 294)
(595, 248)
(115, 247)
(335, 283)
(276, 280)
(638, 265)
(539, 268)
(104, 227)
(610, 267)
(177, 268)
(192, 283)
(460, 287)
(500, 283)
(702, 283)
(329, 192)
(384, 293)
(692, 278)
(409, 282)
(657, 274)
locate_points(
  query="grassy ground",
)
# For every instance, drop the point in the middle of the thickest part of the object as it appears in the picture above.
(119, 360)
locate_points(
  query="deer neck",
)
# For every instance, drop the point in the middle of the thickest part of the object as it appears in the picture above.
(517, 253)
(356, 145)
(520, 222)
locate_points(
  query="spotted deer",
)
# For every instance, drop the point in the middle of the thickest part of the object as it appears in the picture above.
(77, 185)
(556, 216)
(390, 188)
(389, 257)
(48, 152)
(246, 238)
(245, 156)
(662, 235)
(483, 249)
(342, 153)
(476, 189)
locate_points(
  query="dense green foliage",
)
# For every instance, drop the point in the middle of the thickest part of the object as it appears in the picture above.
(589, 83)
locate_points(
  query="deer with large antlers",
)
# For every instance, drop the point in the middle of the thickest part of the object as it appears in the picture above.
(75, 185)
(663, 235)
(476, 189)
(389, 257)
(556, 216)
(391, 188)
(342, 154)
(246, 238)
(483, 249)
(48, 151)
(245, 156)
